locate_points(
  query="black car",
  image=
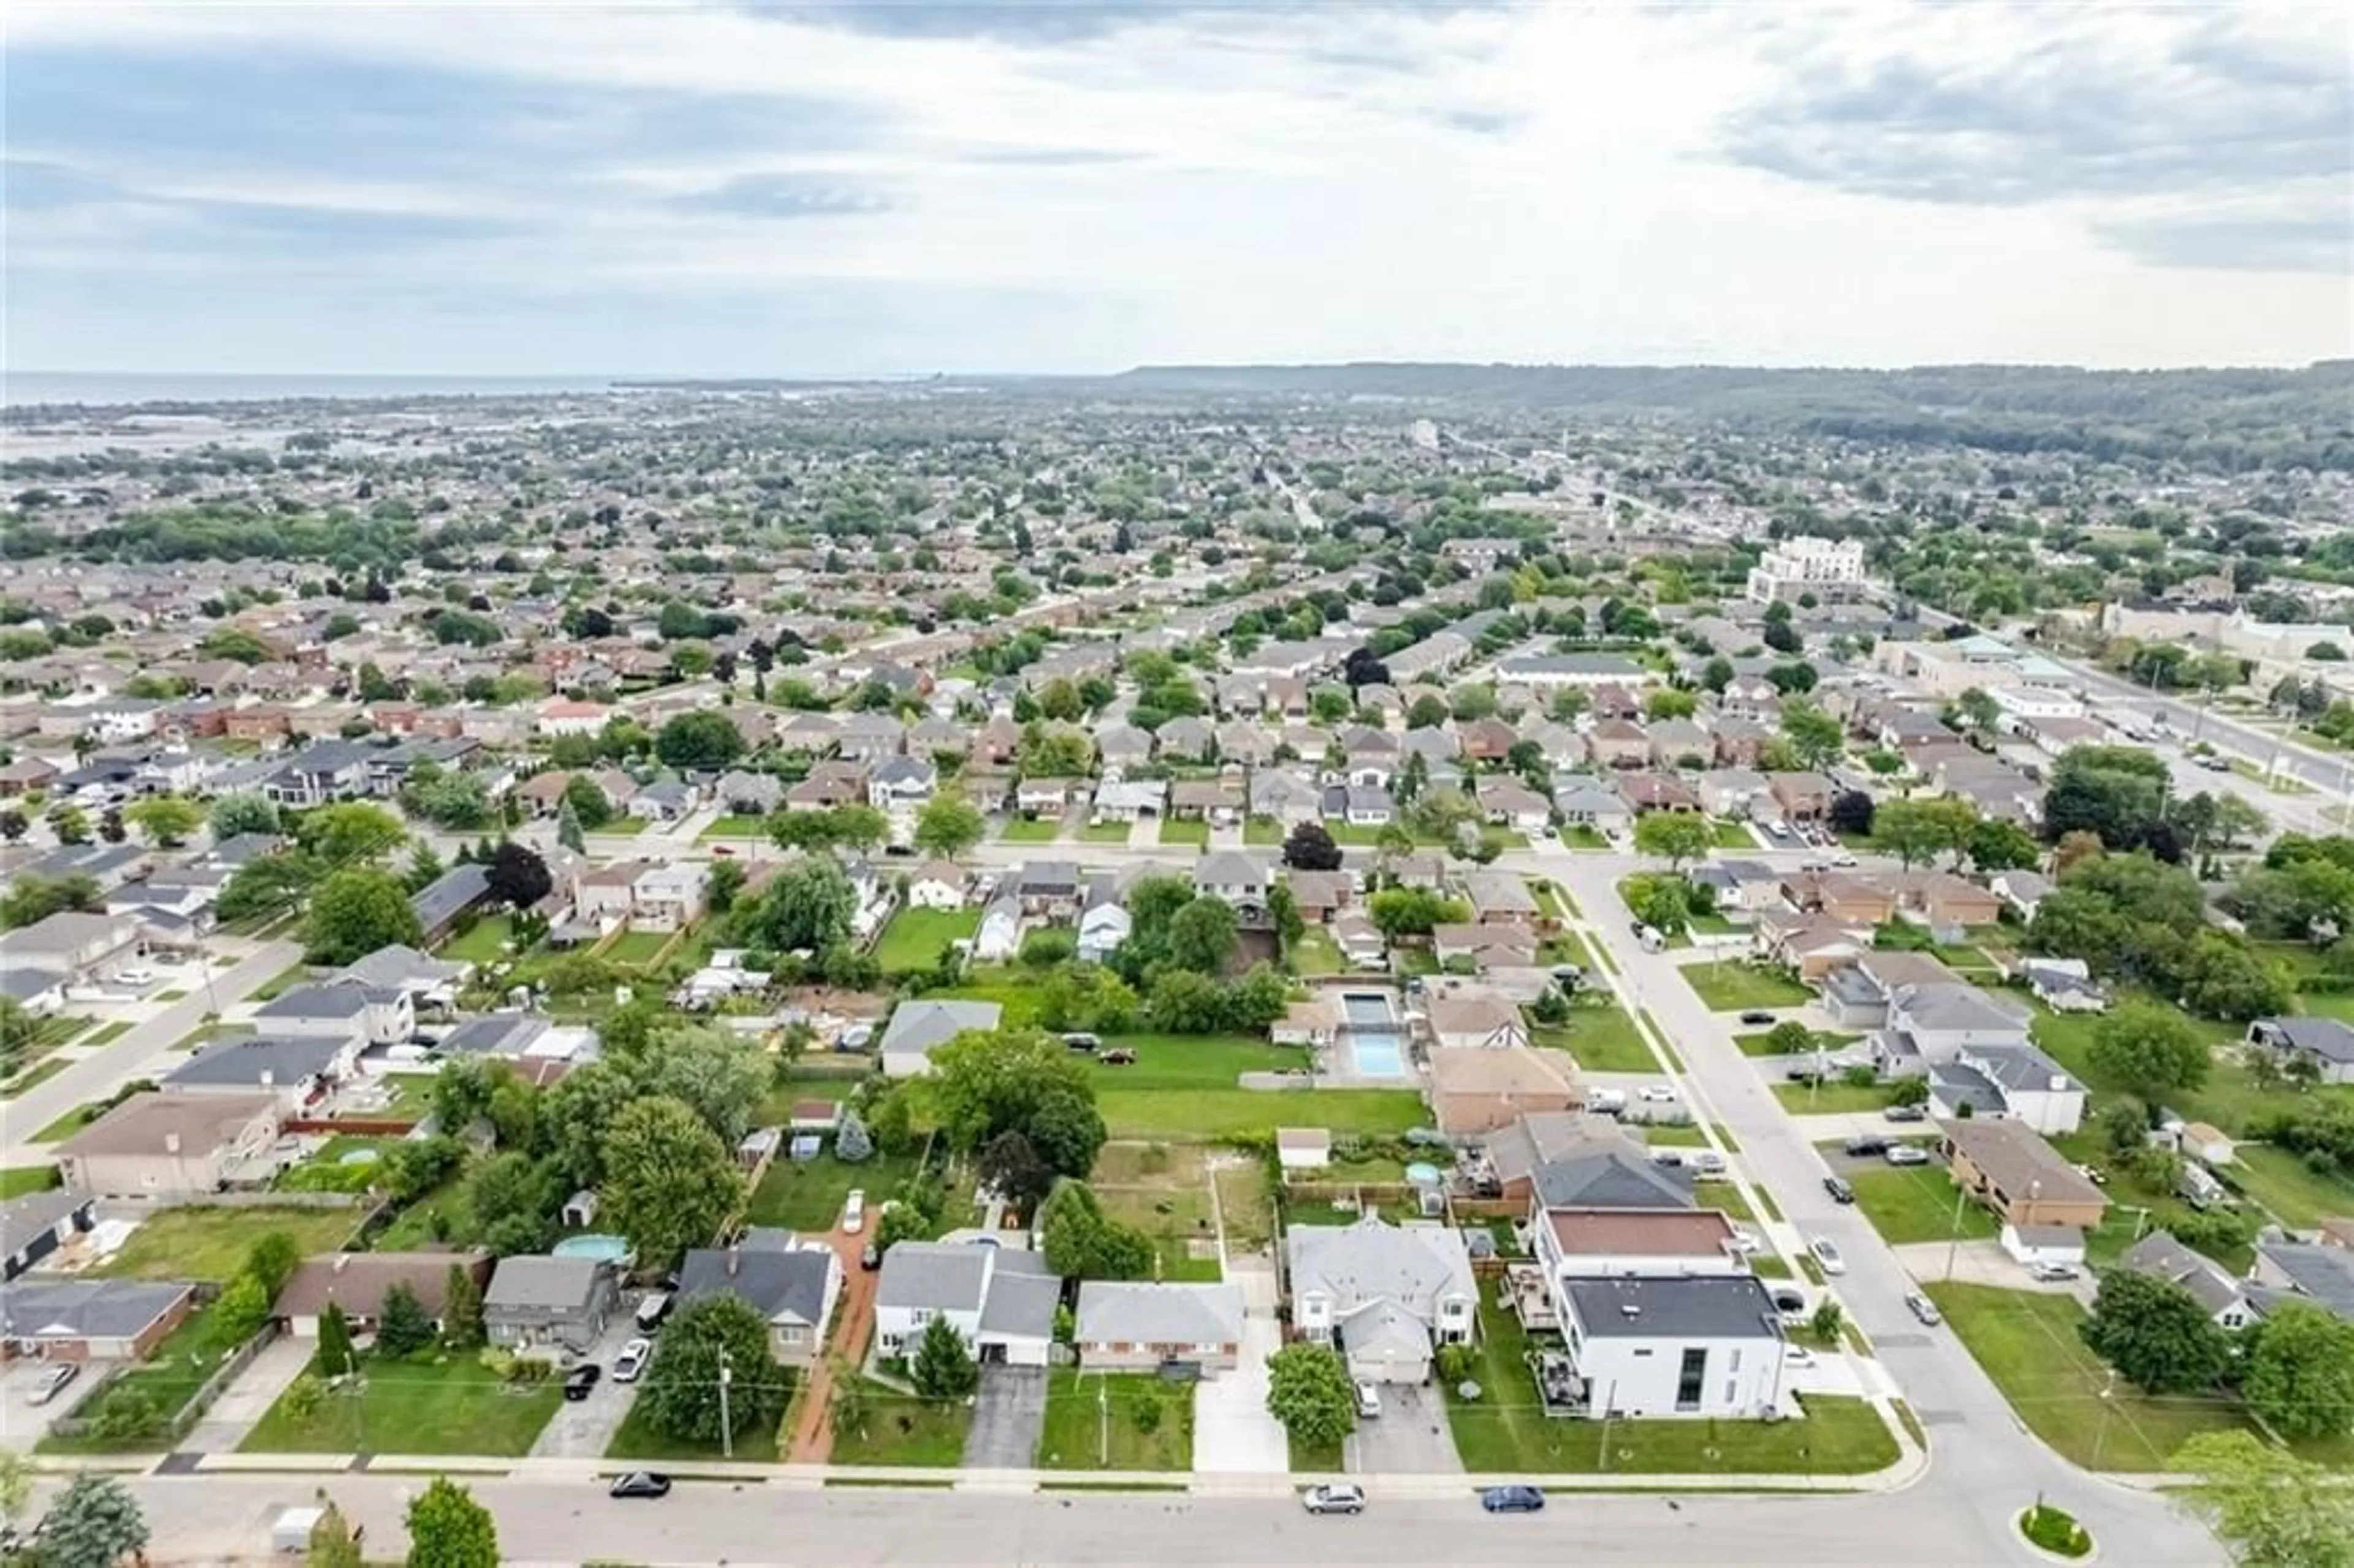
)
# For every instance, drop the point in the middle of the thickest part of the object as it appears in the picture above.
(871, 1258)
(640, 1484)
(580, 1380)
(1512, 1500)
(1864, 1143)
(1757, 1018)
(1840, 1191)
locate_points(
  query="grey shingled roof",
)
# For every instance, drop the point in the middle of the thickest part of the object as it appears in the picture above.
(1613, 1180)
(1160, 1314)
(918, 1026)
(774, 1282)
(22, 1219)
(84, 1308)
(286, 1059)
(541, 1283)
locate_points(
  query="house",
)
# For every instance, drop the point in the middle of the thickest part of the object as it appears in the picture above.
(749, 794)
(161, 1146)
(1741, 886)
(1313, 1022)
(1613, 1242)
(1698, 1346)
(2322, 1045)
(1303, 1147)
(92, 1320)
(80, 948)
(2160, 1256)
(668, 897)
(429, 983)
(1499, 898)
(1000, 1299)
(1320, 894)
(1359, 940)
(1241, 880)
(1732, 793)
(1043, 797)
(1942, 901)
(1131, 800)
(1359, 805)
(37, 1224)
(1508, 804)
(1801, 797)
(2021, 892)
(918, 1026)
(901, 783)
(1856, 995)
(1386, 1296)
(1138, 1325)
(1598, 810)
(374, 1016)
(1482, 1090)
(999, 935)
(2016, 1082)
(1565, 1159)
(2065, 985)
(1483, 946)
(937, 885)
(295, 1070)
(1812, 945)
(2043, 1246)
(1657, 792)
(1929, 1026)
(2022, 1179)
(544, 1300)
(793, 1287)
(455, 891)
(1617, 743)
(1103, 920)
(359, 1281)
(1466, 1019)
(1048, 888)
(2305, 1271)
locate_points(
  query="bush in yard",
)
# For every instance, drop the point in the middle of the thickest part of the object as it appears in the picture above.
(1828, 1323)
(1792, 1038)
(1146, 1414)
(94, 1524)
(1455, 1363)
(331, 1545)
(1082, 1242)
(129, 1414)
(302, 1397)
(1862, 1075)
(461, 1310)
(2156, 1334)
(943, 1367)
(243, 1309)
(1308, 1394)
(852, 1143)
(337, 1355)
(405, 1328)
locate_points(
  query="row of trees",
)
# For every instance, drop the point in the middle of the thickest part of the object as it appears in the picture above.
(2295, 1366)
(2134, 917)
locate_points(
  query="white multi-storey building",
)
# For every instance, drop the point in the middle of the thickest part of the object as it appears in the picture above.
(1827, 568)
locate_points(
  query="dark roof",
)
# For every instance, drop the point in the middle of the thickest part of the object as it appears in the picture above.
(1705, 1307)
(287, 1059)
(1613, 1180)
(22, 1219)
(458, 888)
(85, 1309)
(772, 1283)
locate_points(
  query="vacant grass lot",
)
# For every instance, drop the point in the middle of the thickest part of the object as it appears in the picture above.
(1119, 1422)
(1174, 1217)
(916, 938)
(1194, 1061)
(2229, 1099)
(901, 1429)
(1208, 1114)
(453, 1406)
(211, 1244)
(637, 1438)
(2295, 1191)
(1916, 1203)
(1507, 1429)
(733, 827)
(808, 1196)
(1604, 1040)
(484, 942)
(1834, 1098)
(1729, 988)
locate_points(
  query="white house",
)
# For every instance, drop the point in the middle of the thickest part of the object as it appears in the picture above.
(2034, 1244)
(2016, 1082)
(937, 885)
(1386, 1295)
(1000, 1299)
(917, 1026)
(2225, 1297)
(1707, 1345)
(667, 897)
(379, 1015)
(1104, 924)
(1000, 934)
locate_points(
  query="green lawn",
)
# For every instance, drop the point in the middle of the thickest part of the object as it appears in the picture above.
(1733, 987)
(1031, 829)
(1194, 1061)
(808, 1196)
(284, 981)
(1604, 1040)
(107, 1033)
(1206, 1113)
(1732, 835)
(636, 948)
(1265, 832)
(1013, 990)
(734, 827)
(1104, 833)
(450, 1406)
(1674, 1135)
(1754, 1045)
(902, 1429)
(1097, 1422)
(2297, 1193)
(1317, 954)
(2027, 1343)
(916, 938)
(1578, 836)
(69, 1123)
(211, 1244)
(2228, 1099)
(27, 1082)
(484, 942)
(637, 1438)
(1506, 1430)
(20, 1179)
(1916, 1203)
(1172, 1217)
(1833, 1097)
(1191, 830)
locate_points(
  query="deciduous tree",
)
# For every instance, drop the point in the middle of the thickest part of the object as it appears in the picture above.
(2269, 1508)
(2300, 1375)
(353, 913)
(1675, 837)
(682, 1385)
(2150, 1050)
(2156, 1334)
(948, 825)
(669, 1181)
(1309, 1396)
(447, 1528)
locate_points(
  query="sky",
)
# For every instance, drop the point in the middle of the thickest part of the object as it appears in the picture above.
(827, 187)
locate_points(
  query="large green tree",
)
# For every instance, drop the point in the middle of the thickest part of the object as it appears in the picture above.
(235, 814)
(1082, 1242)
(353, 913)
(1923, 829)
(2300, 1375)
(669, 1181)
(1308, 1394)
(1202, 936)
(2156, 1334)
(985, 1081)
(165, 820)
(2149, 1051)
(349, 834)
(948, 825)
(447, 1528)
(2269, 1508)
(94, 1524)
(682, 1386)
(1676, 837)
(702, 740)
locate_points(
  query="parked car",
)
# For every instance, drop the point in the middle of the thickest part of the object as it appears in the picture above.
(2051, 1273)
(1512, 1500)
(870, 1258)
(1757, 1017)
(1906, 1154)
(640, 1484)
(652, 1310)
(1921, 1306)
(1340, 1498)
(1865, 1143)
(53, 1383)
(1658, 1094)
(1118, 1057)
(632, 1360)
(580, 1380)
(1840, 1191)
(1369, 1401)
(853, 1212)
(1827, 1253)
(1906, 1113)
(1079, 1040)
(1798, 1356)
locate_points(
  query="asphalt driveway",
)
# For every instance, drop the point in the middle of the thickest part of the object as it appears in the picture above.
(1008, 1417)
(581, 1429)
(1409, 1437)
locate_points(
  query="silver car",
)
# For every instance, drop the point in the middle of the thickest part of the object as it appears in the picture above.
(1340, 1499)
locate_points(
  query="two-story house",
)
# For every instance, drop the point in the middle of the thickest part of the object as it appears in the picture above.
(1386, 1296)
(1241, 880)
(1702, 1345)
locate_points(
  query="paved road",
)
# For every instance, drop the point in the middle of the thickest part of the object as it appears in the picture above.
(101, 1072)
(213, 1517)
(1984, 1466)
(2332, 776)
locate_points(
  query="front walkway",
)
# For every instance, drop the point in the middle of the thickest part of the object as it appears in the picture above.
(248, 1398)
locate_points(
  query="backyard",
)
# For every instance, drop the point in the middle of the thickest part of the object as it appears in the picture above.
(1208, 1114)
(484, 942)
(1195, 1061)
(451, 1405)
(916, 938)
(1163, 1190)
(1116, 1422)
(1604, 1039)
(1316, 954)
(1507, 1430)
(212, 1243)
(1735, 987)
(807, 1195)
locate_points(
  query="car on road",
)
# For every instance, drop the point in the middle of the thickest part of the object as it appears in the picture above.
(1827, 1253)
(1866, 1143)
(1658, 1094)
(2214, 765)
(1757, 1016)
(1843, 862)
(1840, 1191)
(1906, 1154)
(1340, 1498)
(1512, 1500)
(640, 1484)
(632, 1360)
(1906, 1113)
(53, 1383)
(1369, 1401)
(580, 1380)
(1921, 1306)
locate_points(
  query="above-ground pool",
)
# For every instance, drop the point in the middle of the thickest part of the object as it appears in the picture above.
(1375, 1046)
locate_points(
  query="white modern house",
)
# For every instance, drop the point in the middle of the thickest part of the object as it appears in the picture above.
(1386, 1296)
(1707, 1345)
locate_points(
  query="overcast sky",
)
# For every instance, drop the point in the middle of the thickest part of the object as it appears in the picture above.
(787, 188)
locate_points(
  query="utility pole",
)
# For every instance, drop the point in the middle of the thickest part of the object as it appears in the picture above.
(1610, 1399)
(726, 1426)
(1961, 1196)
(1103, 1424)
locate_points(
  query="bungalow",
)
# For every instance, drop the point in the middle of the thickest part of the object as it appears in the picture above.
(1385, 1295)
(1123, 746)
(937, 885)
(793, 1285)
(1320, 894)
(1585, 805)
(1507, 802)
(1120, 799)
(916, 1027)
(749, 794)
(1657, 792)
(1565, 1159)
(359, 1281)
(1000, 1301)
(2023, 892)
(456, 892)
(2065, 985)
(1500, 899)
(1466, 1019)
(1359, 940)
(2321, 1275)
(1048, 888)
(1483, 946)
(1045, 797)
(1359, 805)
(2160, 1257)
(92, 1320)
(1219, 801)
(37, 1224)
(1475, 1091)
(1137, 1327)
(2016, 1082)
(2324, 1047)
(295, 1070)
(665, 801)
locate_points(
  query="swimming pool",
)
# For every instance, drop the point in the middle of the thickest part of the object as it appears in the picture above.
(1362, 1009)
(1375, 1044)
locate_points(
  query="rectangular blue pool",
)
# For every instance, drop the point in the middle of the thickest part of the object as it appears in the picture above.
(1377, 1054)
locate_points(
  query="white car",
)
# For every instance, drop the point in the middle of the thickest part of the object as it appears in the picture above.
(854, 1212)
(1798, 1356)
(1659, 1094)
(632, 1360)
(1827, 1253)
(1369, 1401)
(1746, 1242)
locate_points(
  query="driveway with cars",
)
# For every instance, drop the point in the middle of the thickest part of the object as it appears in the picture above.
(1007, 1419)
(584, 1428)
(23, 1423)
(1409, 1437)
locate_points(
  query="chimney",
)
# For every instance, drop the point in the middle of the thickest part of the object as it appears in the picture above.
(268, 1077)
(170, 1143)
